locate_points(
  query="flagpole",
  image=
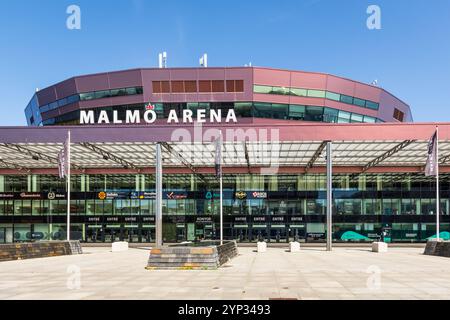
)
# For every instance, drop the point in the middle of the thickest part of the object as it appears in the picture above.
(68, 186)
(221, 191)
(437, 187)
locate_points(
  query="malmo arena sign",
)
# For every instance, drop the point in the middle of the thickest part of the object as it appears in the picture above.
(149, 116)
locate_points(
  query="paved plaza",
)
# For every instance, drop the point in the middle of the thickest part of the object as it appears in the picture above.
(345, 273)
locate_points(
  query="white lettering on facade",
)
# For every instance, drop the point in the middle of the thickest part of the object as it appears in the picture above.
(149, 116)
(187, 116)
(86, 117)
(201, 115)
(103, 117)
(133, 116)
(116, 118)
(216, 115)
(231, 116)
(172, 116)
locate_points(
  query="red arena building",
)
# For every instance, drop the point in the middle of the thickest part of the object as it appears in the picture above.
(276, 125)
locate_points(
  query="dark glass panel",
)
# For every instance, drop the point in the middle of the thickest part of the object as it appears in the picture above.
(204, 85)
(218, 86)
(177, 86)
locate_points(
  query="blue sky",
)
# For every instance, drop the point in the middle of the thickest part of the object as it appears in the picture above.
(410, 55)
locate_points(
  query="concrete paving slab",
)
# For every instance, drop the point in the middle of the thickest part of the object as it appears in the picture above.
(345, 273)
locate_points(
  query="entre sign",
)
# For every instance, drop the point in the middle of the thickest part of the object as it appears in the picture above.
(149, 116)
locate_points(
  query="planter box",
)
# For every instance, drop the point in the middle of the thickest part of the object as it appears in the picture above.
(379, 247)
(437, 248)
(192, 256)
(262, 247)
(20, 251)
(294, 247)
(119, 246)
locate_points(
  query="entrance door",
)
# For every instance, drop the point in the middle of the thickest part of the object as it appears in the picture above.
(209, 232)
(240, 234)
(148, 234)
(297, 233)
(181, 233)
(278, 235)
(199, 231)
(94, 234)
(259, 233)
(131, 234)
(113, 233)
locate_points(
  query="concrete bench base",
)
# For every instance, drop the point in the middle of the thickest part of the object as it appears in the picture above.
(119, 246)
(41, 249)
(294, 246)
(379, 247)
(262, 247)
(179, 257)
(437, 248)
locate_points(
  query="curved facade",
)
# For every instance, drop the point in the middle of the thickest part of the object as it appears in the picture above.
(250, 91)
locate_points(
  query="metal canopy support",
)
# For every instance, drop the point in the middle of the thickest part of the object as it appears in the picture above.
(36, 155)
(247, 158)
(329, 196)
(14, 166)
(158, 188)
(445, 159)
(387, 154)
(315, 156)
(109, 156)
(186, 163)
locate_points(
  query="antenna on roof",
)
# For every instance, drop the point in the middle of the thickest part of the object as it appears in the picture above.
(248, 65)
(204, 61)
(163, 60)
(375, 82)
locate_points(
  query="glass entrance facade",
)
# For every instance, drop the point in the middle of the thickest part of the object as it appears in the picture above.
(281, 208)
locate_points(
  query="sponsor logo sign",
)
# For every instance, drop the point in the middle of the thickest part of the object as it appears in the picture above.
(53, 196)
(259, 195)
(30, 195)
(112, 195)
(176, 196)
(212, 195)
(143, 195)
(241, 195)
